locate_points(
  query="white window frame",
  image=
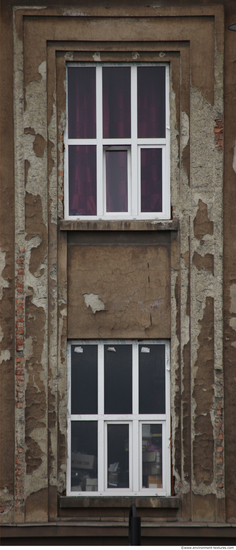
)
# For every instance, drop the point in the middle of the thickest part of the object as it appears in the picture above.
(134, 143)
(135, 421)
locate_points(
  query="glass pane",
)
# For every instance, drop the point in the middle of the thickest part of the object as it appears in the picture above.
(151, 456)
(84, 384)
(84, 476)
(118, 456)
(152, 379)
(82, 102)
(116, 181)
(116, 102)
(151, 102)
(82, 180)
(118, 379)
(151, 180)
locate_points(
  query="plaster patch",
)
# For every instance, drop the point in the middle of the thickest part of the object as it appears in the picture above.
(232, 323)
(184, 129)
(69, 56)
(5, 355)
(233, 344)
(93, 301)
(4, 282)
(74, 13)
(29, 348)
(135, 55)
(234, 158)
(42, 69)
(1, 334)
(233, 298)
(96, 56)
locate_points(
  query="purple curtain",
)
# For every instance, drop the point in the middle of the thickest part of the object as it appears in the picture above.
(151, 180)
(151, 102)
(82, 180)
(82, 102)
(116, 102)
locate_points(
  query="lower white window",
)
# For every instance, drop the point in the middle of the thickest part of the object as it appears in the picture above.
(118, 418)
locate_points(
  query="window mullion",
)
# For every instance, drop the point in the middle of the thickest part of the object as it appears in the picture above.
(101, 434)
(134, 160)
(135, 432)
(99, 119)
(101, 457)
(166, 425)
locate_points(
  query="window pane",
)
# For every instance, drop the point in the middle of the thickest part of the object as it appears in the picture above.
(151, 456)
(84, 379)
(152, 379)
(116, 181)
(151, 102)
(118, 456)
(82, 102)
(116, 102)
(82, 180)
(151, 180)
(118, 379)
(84, 456)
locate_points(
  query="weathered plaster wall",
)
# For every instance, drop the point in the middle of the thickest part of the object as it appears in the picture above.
(191, 39)
(230, 263)
(132, 285)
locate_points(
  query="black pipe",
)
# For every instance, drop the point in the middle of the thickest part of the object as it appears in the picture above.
(134, 527)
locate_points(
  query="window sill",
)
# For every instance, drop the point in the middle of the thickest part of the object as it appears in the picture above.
(118, 502)
(133, 225)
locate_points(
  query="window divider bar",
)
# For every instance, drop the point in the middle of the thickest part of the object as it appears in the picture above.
(99, 125)
(134, 159)
(101, 457)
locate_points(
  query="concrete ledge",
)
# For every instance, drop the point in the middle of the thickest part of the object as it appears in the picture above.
(118, 502)
(131, 225)
(170, 530)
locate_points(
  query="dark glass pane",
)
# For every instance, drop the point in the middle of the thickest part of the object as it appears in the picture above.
(84, 379)
(118, 379)
(82, 180)
(118, 456)
(84, 454)
(151, 180)
(82, 102)
(116, 181)
(151, 456)
(152, 379)
(116, 102)
(151, 102)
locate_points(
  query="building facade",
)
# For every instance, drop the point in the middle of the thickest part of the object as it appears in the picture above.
(118, 270)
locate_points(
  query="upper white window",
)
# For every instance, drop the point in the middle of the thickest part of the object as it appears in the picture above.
(118, 418)
(117, 142)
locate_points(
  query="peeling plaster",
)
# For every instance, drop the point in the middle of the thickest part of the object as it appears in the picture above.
(29, 350)
(69, 56)
(234, 158)
(4, 282)
(233, 298)
(184, 129)
(96, 56)
(232, 323)
(74, 12)
(4, 355)
(93, 301)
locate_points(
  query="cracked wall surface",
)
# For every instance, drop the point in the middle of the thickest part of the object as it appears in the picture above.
(173, 289)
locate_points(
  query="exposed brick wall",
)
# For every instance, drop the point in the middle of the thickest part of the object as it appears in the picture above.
(219, 133)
